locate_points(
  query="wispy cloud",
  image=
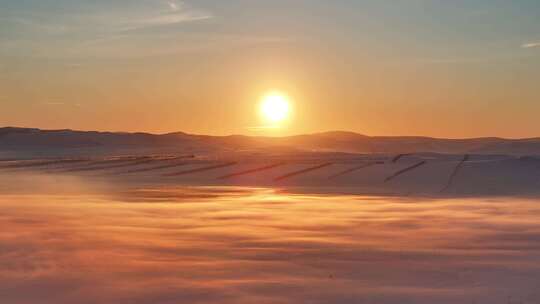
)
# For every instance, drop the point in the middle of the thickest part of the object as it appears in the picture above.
(177, 12)
(74, 65)
(529, 45)
(263, 128)
(175, 6)
(134, 45)
(31, 22)
(99, 29)
(61, 104)
(107, 19)
(107, 30)
(165, 19)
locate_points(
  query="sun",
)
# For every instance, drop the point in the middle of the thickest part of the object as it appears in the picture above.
(275, 107)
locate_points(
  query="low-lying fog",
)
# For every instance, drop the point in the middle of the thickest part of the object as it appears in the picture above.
(63, 241)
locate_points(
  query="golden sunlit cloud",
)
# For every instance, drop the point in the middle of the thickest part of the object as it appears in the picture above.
(275, 107)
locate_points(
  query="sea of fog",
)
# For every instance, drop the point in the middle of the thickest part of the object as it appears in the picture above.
(160, 245)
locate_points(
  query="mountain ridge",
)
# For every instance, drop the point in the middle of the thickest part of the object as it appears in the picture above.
(15, 140)
(323, 133)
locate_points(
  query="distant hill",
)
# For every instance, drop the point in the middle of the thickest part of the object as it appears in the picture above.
(26, 142)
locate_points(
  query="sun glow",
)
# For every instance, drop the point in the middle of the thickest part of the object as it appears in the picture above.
(275, 107)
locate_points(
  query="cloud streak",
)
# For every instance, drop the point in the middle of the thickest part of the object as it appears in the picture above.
(177, 12)
(61, 104)
(102, 29)
(165, 19)
(105, 19)
(530, 45)
(174, 5)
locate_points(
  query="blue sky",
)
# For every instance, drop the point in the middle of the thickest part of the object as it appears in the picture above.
(503, 26)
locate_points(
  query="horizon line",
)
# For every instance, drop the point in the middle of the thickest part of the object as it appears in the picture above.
(270, 136)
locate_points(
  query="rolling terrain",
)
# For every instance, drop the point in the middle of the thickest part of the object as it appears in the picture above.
(328, 162)
(140, 218)
(25, 142)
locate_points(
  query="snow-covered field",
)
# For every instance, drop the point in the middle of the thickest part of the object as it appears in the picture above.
(64, 240)
(270, 226)
(380, 174)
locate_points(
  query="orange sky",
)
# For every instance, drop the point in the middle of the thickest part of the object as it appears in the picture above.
(425, 68)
